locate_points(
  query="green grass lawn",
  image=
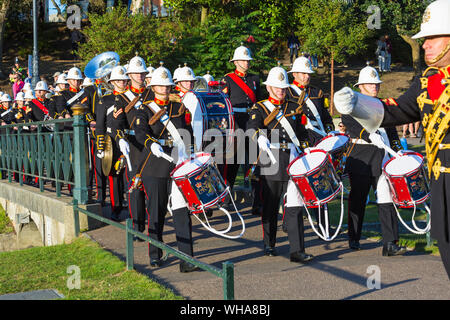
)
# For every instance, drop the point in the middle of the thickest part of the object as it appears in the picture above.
(103, 276)
(5, 223)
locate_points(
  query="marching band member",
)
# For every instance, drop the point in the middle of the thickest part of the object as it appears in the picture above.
(157, 127)
(123, 122)
(363, 166)
(21, 116)
(319, 119)
(185, 80)
(426, 100)
(40, 105)
(279, 120)
(148, 77)
(243, 89)
(103, 126)
(8, 115)
(68, 98)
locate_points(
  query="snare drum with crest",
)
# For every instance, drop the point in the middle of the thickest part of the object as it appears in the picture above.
(315, 177)
(200, 182)
(336, 144)
(407, 179)
(212, 116)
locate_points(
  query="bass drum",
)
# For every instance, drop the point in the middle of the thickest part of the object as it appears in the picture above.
(212, 121)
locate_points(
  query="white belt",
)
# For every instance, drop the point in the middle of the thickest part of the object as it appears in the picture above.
(240, 110)
(360, 141)
(281, 145)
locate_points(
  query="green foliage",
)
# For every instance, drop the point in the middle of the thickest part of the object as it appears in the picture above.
(5, 223)
(211, 46)
(334, 28)
(127, 34)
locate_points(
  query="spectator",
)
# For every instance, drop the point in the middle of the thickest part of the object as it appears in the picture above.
(387, 62)
(381, 53)
(293, 45)
(413, 129)
(314, 61)
(342, 128)
(76, 37)
(17, 85)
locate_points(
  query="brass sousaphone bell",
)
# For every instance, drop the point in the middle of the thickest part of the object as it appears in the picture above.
(100, 67)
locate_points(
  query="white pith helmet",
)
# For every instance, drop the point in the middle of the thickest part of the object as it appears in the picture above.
(118, 73)
(161, 77)
(29, 95)
(208, 77)
(175, 72)
(62, 79)
(368, 75)
(136, 65)
(302, 64)
(242, 53)
(26, 87)
(277, 78)
(435, 20)
(87, 82)
(5, 98)
(41, 85)
(74, 74)
(20, 96)
(150, 70)
(185, 74)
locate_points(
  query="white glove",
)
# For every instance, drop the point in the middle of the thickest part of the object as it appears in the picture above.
(100, 154)
(264, 143)
(345, 100)
(157, 150)
(124, 147)
(377, 140)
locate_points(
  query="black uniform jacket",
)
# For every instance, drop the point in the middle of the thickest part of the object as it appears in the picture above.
(427, 100)
(36, 113)
(275, 132)
(366, 159)
(61, 99)
(316, 96)
(238, 97)
(149, 129)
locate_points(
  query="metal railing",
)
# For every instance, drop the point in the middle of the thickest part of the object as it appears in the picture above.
(58, 155)
(226, 273)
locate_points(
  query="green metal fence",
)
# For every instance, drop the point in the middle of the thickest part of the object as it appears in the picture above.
(227, 272)
(58, 155)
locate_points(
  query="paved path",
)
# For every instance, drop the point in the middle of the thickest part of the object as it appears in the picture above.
(335, 273)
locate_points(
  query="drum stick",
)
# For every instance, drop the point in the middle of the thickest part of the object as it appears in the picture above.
(167, 157)
(392, 152)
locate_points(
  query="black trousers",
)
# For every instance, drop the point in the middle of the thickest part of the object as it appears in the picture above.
(272, 192)
(100, 181)
(158, 190)
(360, 186)
(116, 191)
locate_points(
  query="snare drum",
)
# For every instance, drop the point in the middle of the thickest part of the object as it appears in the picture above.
(200, 182)
(407, 179)
(212, 117)
(314, 175)
(336, 144)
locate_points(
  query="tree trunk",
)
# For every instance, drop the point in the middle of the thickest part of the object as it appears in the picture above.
(3, 13)
(58, 9)
(332, 86)
(204, 16)
(415, 51)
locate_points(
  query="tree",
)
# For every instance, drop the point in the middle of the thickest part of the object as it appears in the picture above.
(4, 8)
(404, 17)
(335, 31)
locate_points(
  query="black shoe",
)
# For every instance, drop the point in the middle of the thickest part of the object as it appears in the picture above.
(301, 257)
(270, 252)
(354, 245)
(392, 249)
(186, 267)
(155, 263)
(115, 217)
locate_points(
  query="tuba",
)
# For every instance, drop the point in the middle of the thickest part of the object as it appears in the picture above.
(200, 84)
(100, 67)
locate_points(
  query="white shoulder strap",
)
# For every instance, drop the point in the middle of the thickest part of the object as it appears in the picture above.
(317, 123)
(75, 97)
(284, 123)
(165, 120)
